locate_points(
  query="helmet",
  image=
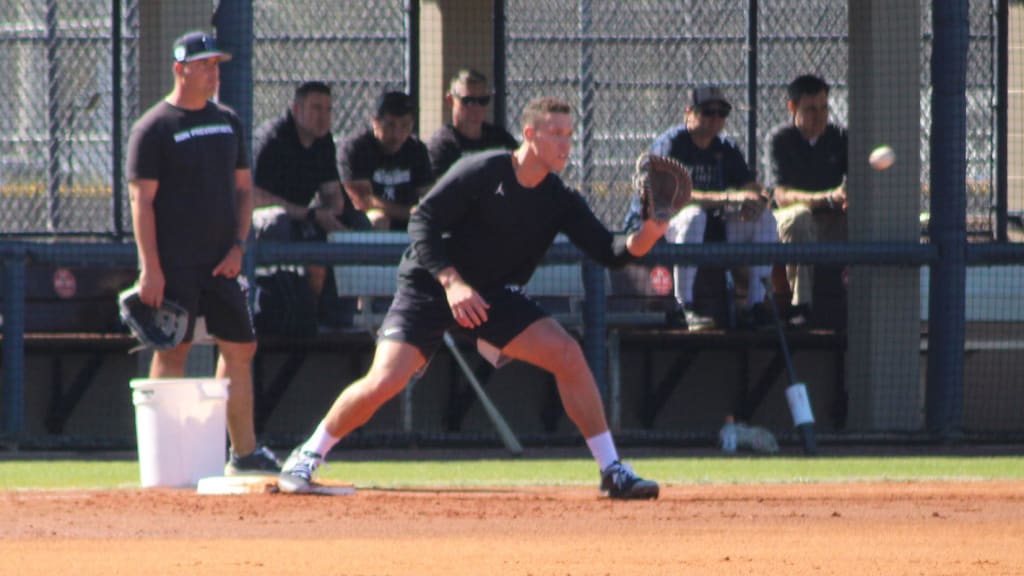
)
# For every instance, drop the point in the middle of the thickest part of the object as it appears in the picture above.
(159, 328)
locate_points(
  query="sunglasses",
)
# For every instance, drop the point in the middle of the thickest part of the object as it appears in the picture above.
(720, 112)
(473, 100)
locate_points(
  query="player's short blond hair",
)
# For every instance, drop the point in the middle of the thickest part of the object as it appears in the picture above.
(539, 107)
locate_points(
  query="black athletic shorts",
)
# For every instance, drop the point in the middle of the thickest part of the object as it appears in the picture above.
(222, 301)
(420, 318)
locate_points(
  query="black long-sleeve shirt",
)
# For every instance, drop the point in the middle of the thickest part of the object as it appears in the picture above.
(479, 219)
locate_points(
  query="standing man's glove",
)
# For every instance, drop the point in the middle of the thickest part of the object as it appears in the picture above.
(160, 328)
(663, 185)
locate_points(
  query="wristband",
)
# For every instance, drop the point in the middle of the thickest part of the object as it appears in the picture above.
(240, 243)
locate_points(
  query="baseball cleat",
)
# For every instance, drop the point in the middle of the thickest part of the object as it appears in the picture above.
(298, 471)
(259, 461)
(619, 481)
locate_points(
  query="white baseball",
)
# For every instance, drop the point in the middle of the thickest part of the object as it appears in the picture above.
(882, 158)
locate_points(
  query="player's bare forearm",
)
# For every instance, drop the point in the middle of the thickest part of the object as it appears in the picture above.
(361, 194)
(263, 198)
(243, 190)
(151, 276)
(640, 242)
(785, 196)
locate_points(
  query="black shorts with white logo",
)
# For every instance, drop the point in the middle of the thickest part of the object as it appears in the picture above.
(224, 302)
(421, 317)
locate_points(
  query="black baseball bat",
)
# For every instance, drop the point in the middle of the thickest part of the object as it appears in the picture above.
(796, 394)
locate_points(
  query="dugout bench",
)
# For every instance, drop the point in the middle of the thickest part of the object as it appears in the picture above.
(72, 311)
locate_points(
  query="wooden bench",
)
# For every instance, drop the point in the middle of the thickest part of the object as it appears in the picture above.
(56, 346)
(72, 310)
(638, 299)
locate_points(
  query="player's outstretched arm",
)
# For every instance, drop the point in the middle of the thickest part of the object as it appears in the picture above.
(640, 242)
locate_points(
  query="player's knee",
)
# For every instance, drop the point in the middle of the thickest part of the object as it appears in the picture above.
(569, 358)
(688, 226)
(803, 227)
(237, 352)
(383, 384)
(174, 356)
(378, 220)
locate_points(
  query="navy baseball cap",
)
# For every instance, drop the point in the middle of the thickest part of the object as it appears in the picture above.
(197, 45)
(394, 103)
(705, 94)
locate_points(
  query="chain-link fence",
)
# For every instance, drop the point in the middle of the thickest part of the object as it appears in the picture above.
(359, 49)
(55, 110)
(58, 156)
(628, 66)
(76, 81)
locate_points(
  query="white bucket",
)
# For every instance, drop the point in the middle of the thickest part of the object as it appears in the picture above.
(179, 426)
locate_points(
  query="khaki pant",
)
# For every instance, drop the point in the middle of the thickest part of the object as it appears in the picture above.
(798, 225)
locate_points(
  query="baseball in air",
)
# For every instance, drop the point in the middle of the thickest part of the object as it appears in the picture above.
(882, 158)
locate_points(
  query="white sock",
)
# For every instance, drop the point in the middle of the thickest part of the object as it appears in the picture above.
(603, 448)
(321, 441)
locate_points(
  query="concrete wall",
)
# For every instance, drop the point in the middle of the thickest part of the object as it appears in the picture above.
(1015, 128)
(454, 34)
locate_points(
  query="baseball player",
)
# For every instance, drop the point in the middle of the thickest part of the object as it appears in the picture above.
(476, 239)
(191, 199)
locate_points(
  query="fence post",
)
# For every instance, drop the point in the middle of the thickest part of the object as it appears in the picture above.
(595, 326)
(14, 344)
(948, 228)
(116, 121)
(234, 22)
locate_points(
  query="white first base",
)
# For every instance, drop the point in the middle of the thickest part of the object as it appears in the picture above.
(265, 484)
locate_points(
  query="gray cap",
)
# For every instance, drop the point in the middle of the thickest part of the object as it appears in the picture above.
(705, 94)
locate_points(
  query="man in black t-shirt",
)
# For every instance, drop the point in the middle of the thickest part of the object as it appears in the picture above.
(386, 169)
(468, 97)
(190, 187)
(476, 239)
(808, 166)
(296, 187)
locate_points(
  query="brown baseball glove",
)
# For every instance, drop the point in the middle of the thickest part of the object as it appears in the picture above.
(663, 184)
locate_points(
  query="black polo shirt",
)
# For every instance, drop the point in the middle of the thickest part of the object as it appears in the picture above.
(447, 145)
(796, 163)
(286, 169)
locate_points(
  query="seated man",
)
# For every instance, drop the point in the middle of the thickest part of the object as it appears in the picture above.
(386, 170)
(293, 161)
(724, 189)
(808, 164)
(468, 98)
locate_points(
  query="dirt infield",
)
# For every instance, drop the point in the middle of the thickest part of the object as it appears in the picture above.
(955, 528)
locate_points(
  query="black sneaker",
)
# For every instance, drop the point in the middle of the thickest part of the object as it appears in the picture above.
(260, 461)
(618, 481)
(298, 471)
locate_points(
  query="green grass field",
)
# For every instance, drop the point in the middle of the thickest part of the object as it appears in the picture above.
(105, 474)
